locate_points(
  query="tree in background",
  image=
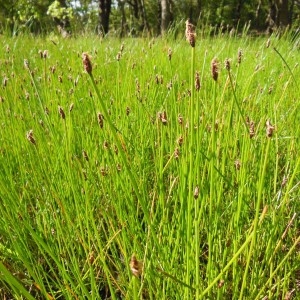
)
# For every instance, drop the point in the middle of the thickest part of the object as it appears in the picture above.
(154, 17)
(104, 14)
(166, 15)
(61, 14)
(16, 14)
(282, 13)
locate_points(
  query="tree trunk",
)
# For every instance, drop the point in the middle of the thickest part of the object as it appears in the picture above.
(278, 14)
(194, 11)
(124, 27)
(158, 28)
(165, 15)
(237, 13)
(139, 13)
(104, 12)
(144, 16)
(282, 12)
(291, 13)
(272, 16)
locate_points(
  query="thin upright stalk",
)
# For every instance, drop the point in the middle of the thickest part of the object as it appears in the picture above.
(191, 170)
(236, 102)
(265, 155)
(212, 184)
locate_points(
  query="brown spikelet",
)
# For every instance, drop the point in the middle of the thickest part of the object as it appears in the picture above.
(105, 145)
(180, 119)
(176, 153)
(240, 54)
(221, 283)
(91, 257)
(85, 155)
(30, 137)
(136, 266)
(180, 140)
(196, 192)
(104, 171)
(118, 57)
(87, 65)
(237, 164)
(100, 118)
(71, 107)
(214, 69)
(197, 81)
(156, 79)
(169, 85)
(190, 33)
(289, 295)
(170, 53)
(61, 112)
(45, 54)
(26, 63)
(252, 129)
(270, 128)
(116, 150)
(227, 64)
(284, 181)
(163, 117)
(122, 47)
(52, 69)
(4, 82)
(119, 167)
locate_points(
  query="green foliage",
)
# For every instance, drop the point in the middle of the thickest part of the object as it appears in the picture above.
(140, 18)
(55, 10)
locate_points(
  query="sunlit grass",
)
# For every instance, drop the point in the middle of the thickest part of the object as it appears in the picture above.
(132, 171)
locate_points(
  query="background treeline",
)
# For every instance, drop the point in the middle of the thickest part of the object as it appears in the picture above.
(140, 17)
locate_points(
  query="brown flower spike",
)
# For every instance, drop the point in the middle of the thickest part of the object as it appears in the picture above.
(170, 53)
(136, 266)
(214, 69)
(87, 65)
(240, 54)
(100, 118)
(30, 137)
(61, 112)
(190, 33)
(270, 128)
(197, 81)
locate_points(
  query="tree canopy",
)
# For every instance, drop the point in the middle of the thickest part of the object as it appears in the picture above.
(137, 17)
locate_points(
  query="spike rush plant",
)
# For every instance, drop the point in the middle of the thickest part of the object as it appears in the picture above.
(149, 169)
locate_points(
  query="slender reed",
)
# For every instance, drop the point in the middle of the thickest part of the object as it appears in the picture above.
(264, 158)
(191, 38)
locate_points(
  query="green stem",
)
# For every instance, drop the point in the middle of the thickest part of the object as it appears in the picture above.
(265, 155)
(212, 185)
(236, 100)
(236, 255)
(296, 243)
(191, 170)
(287, 67)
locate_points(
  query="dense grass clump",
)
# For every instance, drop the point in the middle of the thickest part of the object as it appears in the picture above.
(163, 171)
